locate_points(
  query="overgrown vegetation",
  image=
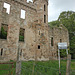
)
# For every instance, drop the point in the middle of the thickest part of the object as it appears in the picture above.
(21, 34)
(68, 20)
(3, 33)
(21, 38)
(63, 53)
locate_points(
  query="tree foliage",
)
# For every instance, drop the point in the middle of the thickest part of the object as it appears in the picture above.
(54, 23)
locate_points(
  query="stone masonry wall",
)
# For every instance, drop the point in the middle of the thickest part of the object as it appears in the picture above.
(14, 22)
(58, 34)
(37, 34)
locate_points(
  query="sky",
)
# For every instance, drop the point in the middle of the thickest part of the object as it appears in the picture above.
(55, 7)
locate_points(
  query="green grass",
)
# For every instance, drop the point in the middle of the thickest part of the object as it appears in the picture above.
(6, 69)
(39, 68)
(46, 68)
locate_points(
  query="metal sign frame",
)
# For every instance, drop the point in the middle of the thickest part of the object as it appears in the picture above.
(61, 46)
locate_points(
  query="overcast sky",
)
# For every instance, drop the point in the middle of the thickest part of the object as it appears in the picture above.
(55, 7)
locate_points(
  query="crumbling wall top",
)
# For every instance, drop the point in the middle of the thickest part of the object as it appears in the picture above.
(21, 2)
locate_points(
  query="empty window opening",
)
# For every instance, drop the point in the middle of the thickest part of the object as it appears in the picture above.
(7, 6)
(38, 46)
(44, 18)
(23, 14)
(39, 32)
(44, 7)
(51, 41)
(60, 40)
(1, 51)
(3, 33)
(29, 0)
(21, 34)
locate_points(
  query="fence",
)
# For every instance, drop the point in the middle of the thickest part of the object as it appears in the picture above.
(72, 72)
(7, 68)
(37, 68)
(46, 68)
(42, 68)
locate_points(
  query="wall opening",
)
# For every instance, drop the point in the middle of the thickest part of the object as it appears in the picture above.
(44, 7)
(39, 32)
(7, 6)
(60, 40)
(23, 14)
(30, 0)
(3, 33)
(1, 51)
(21, 34)
(52, 41)
(44, 18)
(38, 46)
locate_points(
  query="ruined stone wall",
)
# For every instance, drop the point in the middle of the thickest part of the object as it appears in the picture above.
(36, 37)
(59, 34)
(37, 34)
(14, 22)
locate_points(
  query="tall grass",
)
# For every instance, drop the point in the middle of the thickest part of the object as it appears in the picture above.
(43, 68)
(38, 68)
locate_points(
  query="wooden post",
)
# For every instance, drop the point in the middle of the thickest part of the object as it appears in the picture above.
(68, 66)
(18, 67)
(59, 61)
(18, 63)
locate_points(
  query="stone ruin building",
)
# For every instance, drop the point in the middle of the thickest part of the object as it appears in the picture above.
(24, 31)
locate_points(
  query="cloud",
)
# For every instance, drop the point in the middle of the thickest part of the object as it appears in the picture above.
(57, 6)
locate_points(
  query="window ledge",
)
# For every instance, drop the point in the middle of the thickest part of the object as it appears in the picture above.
(21, 42)
(3, 39)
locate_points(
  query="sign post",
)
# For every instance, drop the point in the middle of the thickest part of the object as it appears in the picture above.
(61, 46)
(59, 61)
(67, 51)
